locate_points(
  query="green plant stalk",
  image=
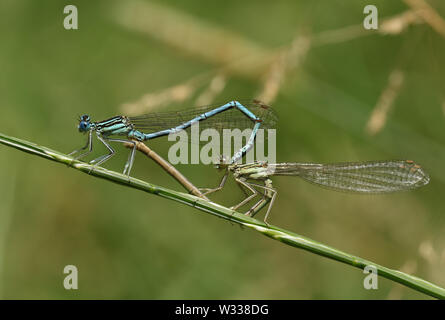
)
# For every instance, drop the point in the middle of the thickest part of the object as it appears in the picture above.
(273, 232)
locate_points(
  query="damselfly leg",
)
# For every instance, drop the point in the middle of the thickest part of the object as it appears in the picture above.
(105, 157)
(268, 197)
(242, 183)
(88, 145)
(130, 160)
(206, 191)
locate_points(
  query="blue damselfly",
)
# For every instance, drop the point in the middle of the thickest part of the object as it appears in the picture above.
(150, 126)
(368, 177)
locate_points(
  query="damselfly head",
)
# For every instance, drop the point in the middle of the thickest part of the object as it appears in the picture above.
(84, 123)
(222, 163)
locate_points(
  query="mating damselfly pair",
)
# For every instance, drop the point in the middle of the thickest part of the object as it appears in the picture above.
(154, 125)
(357, 177)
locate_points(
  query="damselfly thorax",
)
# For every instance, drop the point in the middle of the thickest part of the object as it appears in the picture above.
(118, 125)
(251, 171)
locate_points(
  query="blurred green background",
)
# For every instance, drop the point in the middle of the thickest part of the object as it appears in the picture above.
(131, 245)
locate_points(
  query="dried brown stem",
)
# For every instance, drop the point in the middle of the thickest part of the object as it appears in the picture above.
(379, 115)
(428, 14)
(142, 147)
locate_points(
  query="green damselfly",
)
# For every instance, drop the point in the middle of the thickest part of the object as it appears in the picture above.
(368, 177)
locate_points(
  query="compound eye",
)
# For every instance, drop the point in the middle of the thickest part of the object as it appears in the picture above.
(83, 126)
(222, 159)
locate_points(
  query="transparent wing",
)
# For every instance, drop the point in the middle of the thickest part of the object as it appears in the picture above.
(229, 119)
(360, 177)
